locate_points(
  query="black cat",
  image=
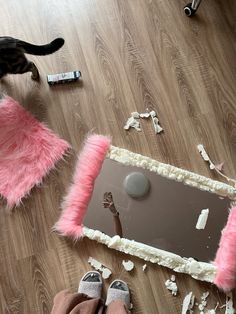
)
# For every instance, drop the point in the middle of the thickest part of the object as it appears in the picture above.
(13, 59)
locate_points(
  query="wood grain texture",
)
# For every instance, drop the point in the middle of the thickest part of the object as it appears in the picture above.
(133, 55)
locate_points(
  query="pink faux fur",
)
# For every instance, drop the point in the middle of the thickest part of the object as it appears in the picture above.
(225, 260)
(28, 150)
(87, 169)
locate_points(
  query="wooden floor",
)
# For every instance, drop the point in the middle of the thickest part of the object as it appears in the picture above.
(133, 55)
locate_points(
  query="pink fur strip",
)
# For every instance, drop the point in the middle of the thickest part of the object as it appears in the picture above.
(28, 150)
(225, 260)
(87, 169)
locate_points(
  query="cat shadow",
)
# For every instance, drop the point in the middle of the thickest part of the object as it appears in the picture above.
(5, 88)
(36, 103)
(34, 100)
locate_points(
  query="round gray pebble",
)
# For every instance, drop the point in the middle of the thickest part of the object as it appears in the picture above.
(136, 184)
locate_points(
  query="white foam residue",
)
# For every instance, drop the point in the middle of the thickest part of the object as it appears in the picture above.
(132, 123)
(203, 303)
(155, 122)
(144, 267)
(156, 125)
(212, 311)
(114, 241)
(188, 303)
(153, 113)
(192, 302)
(135, 115)
(229, 308)
(145, 115)
(205, 156)
(218, 168)
(205, 295)
(194, 266)
(172, 278)
(106, 272)
(171, 285)
(128, 266)
(202, 219)
(94, 263)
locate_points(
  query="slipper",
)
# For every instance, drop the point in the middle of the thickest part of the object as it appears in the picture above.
(91, 284)
(118, 290)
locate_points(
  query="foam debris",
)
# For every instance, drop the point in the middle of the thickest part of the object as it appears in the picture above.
(218, 168)
(205, 156)
(132, 123)
(229, 307)
(188, 303)
(203, 303)
(171, 285)
(145, 115)
(172, 278)
(213, 311)
(128, 266)
(135, 115)
(106, 272)
(202, 219)
(156, 123)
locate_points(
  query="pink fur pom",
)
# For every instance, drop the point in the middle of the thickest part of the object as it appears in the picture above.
(225, 260)
(28, 150)
(87, 169)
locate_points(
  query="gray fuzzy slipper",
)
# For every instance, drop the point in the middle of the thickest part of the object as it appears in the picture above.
(91, 284)
(118, 290)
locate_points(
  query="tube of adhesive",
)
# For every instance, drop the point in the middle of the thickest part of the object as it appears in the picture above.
(62, 78)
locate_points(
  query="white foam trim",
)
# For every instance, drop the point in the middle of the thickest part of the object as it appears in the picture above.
(198, 270)
(127, 157)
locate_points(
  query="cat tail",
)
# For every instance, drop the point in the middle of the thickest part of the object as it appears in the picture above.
(41, 50)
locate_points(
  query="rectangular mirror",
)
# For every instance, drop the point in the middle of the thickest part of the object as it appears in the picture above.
(163, 222)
